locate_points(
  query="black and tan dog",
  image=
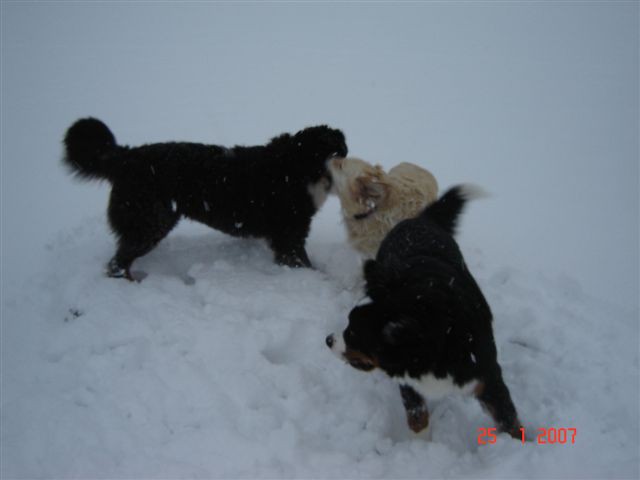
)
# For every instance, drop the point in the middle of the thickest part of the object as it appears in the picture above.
(427, 324)
(269, 191)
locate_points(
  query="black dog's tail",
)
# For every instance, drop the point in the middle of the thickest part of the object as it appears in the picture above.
(89, 149)
(446, 210)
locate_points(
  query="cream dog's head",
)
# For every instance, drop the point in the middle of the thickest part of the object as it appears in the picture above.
(362, 187)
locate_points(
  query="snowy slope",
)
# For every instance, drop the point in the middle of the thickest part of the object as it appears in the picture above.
(215, 366)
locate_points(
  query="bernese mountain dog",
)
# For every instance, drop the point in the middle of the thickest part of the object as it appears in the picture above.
(426, 323)
(270, 191)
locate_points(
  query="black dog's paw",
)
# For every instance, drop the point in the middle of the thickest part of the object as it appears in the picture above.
(114, 270)
(293, 261)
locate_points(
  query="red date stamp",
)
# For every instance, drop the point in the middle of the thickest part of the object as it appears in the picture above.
(545, 436)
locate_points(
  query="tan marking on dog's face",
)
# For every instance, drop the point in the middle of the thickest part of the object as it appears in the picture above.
(359, 360)
(360, 185)
(355, 358)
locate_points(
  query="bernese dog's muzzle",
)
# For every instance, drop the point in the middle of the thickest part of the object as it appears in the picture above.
(355, 358)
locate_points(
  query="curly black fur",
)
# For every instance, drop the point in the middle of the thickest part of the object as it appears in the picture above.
(258, 191)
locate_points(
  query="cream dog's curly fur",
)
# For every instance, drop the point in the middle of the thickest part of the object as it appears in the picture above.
(374, 201)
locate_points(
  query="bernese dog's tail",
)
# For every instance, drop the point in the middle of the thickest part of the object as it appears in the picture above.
(91, 150)
(446, 210)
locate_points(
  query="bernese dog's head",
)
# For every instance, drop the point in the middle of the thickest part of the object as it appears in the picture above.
(381, 337)
(401, 328)
(360, 343)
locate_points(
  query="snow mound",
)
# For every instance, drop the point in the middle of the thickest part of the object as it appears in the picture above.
(215, 366)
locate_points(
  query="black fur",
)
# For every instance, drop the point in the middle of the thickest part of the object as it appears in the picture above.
(428, 315)
(259, 191)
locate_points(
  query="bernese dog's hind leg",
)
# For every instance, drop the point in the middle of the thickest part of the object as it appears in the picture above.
(495, 398)
(416, 408)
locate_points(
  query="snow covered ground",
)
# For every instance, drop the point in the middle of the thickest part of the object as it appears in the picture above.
(215, 364)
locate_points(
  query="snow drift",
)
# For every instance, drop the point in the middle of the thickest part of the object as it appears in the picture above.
(215, 366)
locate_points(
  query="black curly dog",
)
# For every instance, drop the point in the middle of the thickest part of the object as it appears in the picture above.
(269, 191)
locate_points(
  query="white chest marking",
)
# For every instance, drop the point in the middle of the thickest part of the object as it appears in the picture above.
(431, 387)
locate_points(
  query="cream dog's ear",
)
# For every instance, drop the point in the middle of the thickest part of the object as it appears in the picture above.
(371, 188)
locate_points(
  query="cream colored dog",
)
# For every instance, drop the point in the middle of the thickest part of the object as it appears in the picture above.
(374, 201)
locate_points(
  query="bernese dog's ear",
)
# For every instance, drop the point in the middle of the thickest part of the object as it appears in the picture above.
(402, 332)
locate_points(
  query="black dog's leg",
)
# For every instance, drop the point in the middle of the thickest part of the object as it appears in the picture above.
(140, 221)
(119, 266)
(495, 398)
(290, 252)
(416, 408)
(115, 270)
